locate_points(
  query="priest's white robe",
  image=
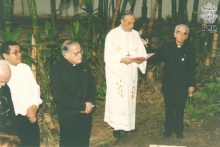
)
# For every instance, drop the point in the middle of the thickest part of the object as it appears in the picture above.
(122, 79)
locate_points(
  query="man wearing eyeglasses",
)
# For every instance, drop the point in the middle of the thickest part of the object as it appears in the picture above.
(178, 79)
(25, 94)
(74, 92)
(121, 45)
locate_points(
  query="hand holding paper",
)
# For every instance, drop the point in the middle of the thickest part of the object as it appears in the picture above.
(143, 58)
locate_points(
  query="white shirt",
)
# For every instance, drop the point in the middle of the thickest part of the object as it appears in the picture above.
(25, 91)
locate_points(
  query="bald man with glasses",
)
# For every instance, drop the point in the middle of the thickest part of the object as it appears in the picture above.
(7, 113)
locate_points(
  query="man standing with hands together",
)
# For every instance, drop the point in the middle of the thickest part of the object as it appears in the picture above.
(74, 92)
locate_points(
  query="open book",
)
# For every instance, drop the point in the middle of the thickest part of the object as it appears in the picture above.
(143, 58)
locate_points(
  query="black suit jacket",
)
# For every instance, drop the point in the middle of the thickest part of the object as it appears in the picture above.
(71, 87)
(7, 113)
(179, 67)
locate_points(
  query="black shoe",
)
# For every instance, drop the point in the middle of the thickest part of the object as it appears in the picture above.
(167, 133)
(117, 133)
(179, 135)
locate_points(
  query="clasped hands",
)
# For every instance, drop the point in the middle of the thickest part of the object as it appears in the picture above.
(127, 60)
(89, 107)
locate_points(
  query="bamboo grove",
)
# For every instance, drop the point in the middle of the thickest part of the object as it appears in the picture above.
(42, 46)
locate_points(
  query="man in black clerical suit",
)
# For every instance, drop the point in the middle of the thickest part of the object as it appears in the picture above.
(7, 113)
(178, 79)
(74, 91)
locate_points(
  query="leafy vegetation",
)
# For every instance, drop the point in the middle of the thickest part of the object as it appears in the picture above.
(90, 28)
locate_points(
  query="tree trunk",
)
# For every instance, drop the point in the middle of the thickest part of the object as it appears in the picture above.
(218, 13)
(153, 14)
(124, 5)
(173, 12)
(113, 7)
(33, 11)
(182, 12)
(159, 10)
(195, 12)
(214, 45)
(33, 56)
(144, 10)
(100, 10)
(106, 18)
(7, 14)
(160, 19)
(115, 16)
(53, 14)
(1, 18)
(36, 34)
(80, 2)
(133, 3)
(75, 6)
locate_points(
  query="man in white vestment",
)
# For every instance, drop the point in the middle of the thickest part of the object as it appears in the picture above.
(121, 45)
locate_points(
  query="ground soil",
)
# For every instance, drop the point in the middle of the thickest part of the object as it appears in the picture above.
(149, 124)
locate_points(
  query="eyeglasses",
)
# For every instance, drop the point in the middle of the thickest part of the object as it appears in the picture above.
(77, 53)
(16, 53)
(181, 33)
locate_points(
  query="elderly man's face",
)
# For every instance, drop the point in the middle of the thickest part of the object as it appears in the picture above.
(74, 54)
(181, 35)
(128, 23)
(4, 77)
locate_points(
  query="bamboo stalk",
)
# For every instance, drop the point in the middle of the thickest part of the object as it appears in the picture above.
(33, 55)
(214, 45)
(153, 42)
(81, 2)
(33, 11)
(132, 5)
(124, 5)
(116, 13)
(153, 14)
(7, 14)
(207, 61)
(150, 74)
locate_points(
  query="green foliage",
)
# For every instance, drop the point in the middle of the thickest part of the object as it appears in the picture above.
(206, 101)
(101, 91)
(49, 31)
(11, 36)
(76, 31)
(64, 5)
(90, 28)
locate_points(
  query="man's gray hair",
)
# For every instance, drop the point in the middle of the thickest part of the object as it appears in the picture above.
(125, 13)
(183, 25)
(65, 46)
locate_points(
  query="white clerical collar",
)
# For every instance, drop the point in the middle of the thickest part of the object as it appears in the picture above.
(125, 30)
(179, 45)
(74, 64)
(122, 28)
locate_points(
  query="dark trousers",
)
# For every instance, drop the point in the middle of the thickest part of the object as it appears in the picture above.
(75, 131)
(9, 128)
(174, 112)
(28, 132)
